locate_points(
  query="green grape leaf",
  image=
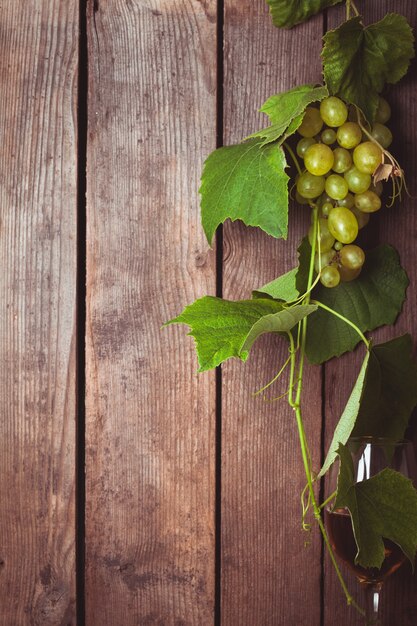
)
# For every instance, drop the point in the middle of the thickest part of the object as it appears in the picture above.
(347, 421)
(304, 256)
(373, 299)
(223, 329)
(358, 60)
(245, 182)
(286, 111)
(383, 506)
(386, 387)
(282, 288)
(280, 322)
(288, 13)
(390, 391)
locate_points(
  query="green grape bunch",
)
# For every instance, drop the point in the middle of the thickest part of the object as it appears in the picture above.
(341, 159)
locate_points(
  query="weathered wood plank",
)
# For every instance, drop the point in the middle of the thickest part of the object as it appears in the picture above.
(150, 418)
(38, 96)
(265, 579)
(396, 226)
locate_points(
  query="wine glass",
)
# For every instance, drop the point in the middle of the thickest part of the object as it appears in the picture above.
(370, 456)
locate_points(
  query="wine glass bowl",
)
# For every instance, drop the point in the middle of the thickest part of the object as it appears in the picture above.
(342, 539)
(370, 456)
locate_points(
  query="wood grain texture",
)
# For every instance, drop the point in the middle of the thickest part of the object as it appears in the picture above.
(265, 579)
(150, 417)
(38, 95)
(397, 226)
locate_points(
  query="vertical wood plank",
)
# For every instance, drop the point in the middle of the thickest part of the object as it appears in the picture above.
(150, 418)
(38, 96)
(398, 227)
(265, 576)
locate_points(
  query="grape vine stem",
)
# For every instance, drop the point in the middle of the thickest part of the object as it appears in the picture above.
(293, 157)
(294, 402)
(350, 5)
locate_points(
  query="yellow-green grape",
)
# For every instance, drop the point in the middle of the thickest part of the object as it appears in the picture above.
(342, 160)
(328, 136)
(357, 181)
(326, 239)
(343, 224)
(346, 274)
(367, 156)
(348, 201)
(382, 134)
(310, 186)
(324, 259)
(326, 208)
(330, 276)
(319, 159)
(338, 245)
(333, 111)
(336, 187)
(352, 257)
(349, 135)
(368, 202)
(312, 123)
(383, 112)
(303, 145)
(362, 218)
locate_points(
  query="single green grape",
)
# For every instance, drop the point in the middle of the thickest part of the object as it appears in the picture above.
(362, 218)
(324, 259)
(352, 257)
(311, 124)
(319, 159)
(310, 186)
(383, 112)
(303, 145)
(349, 135)
(348, 201)
(357, 181)
(328, 136)
(368, 202)
(336, 187)
(342, 160)
(338, 245)
(326, 239)
(333, 111)
(326, 208)
(346, 274)
(382, 134)
(367, 156)
(330, 276)
(343, 225)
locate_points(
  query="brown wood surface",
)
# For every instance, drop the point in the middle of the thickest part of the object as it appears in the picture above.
(396, 226)
(268, 576)
(150, 432)
(150, 417)
(38, 95)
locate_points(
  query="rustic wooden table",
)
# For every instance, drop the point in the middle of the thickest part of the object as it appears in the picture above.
(187, 509)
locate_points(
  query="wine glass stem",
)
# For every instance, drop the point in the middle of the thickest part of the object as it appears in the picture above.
(373, 593)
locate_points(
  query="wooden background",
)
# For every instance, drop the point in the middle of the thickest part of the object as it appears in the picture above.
(188, 510)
